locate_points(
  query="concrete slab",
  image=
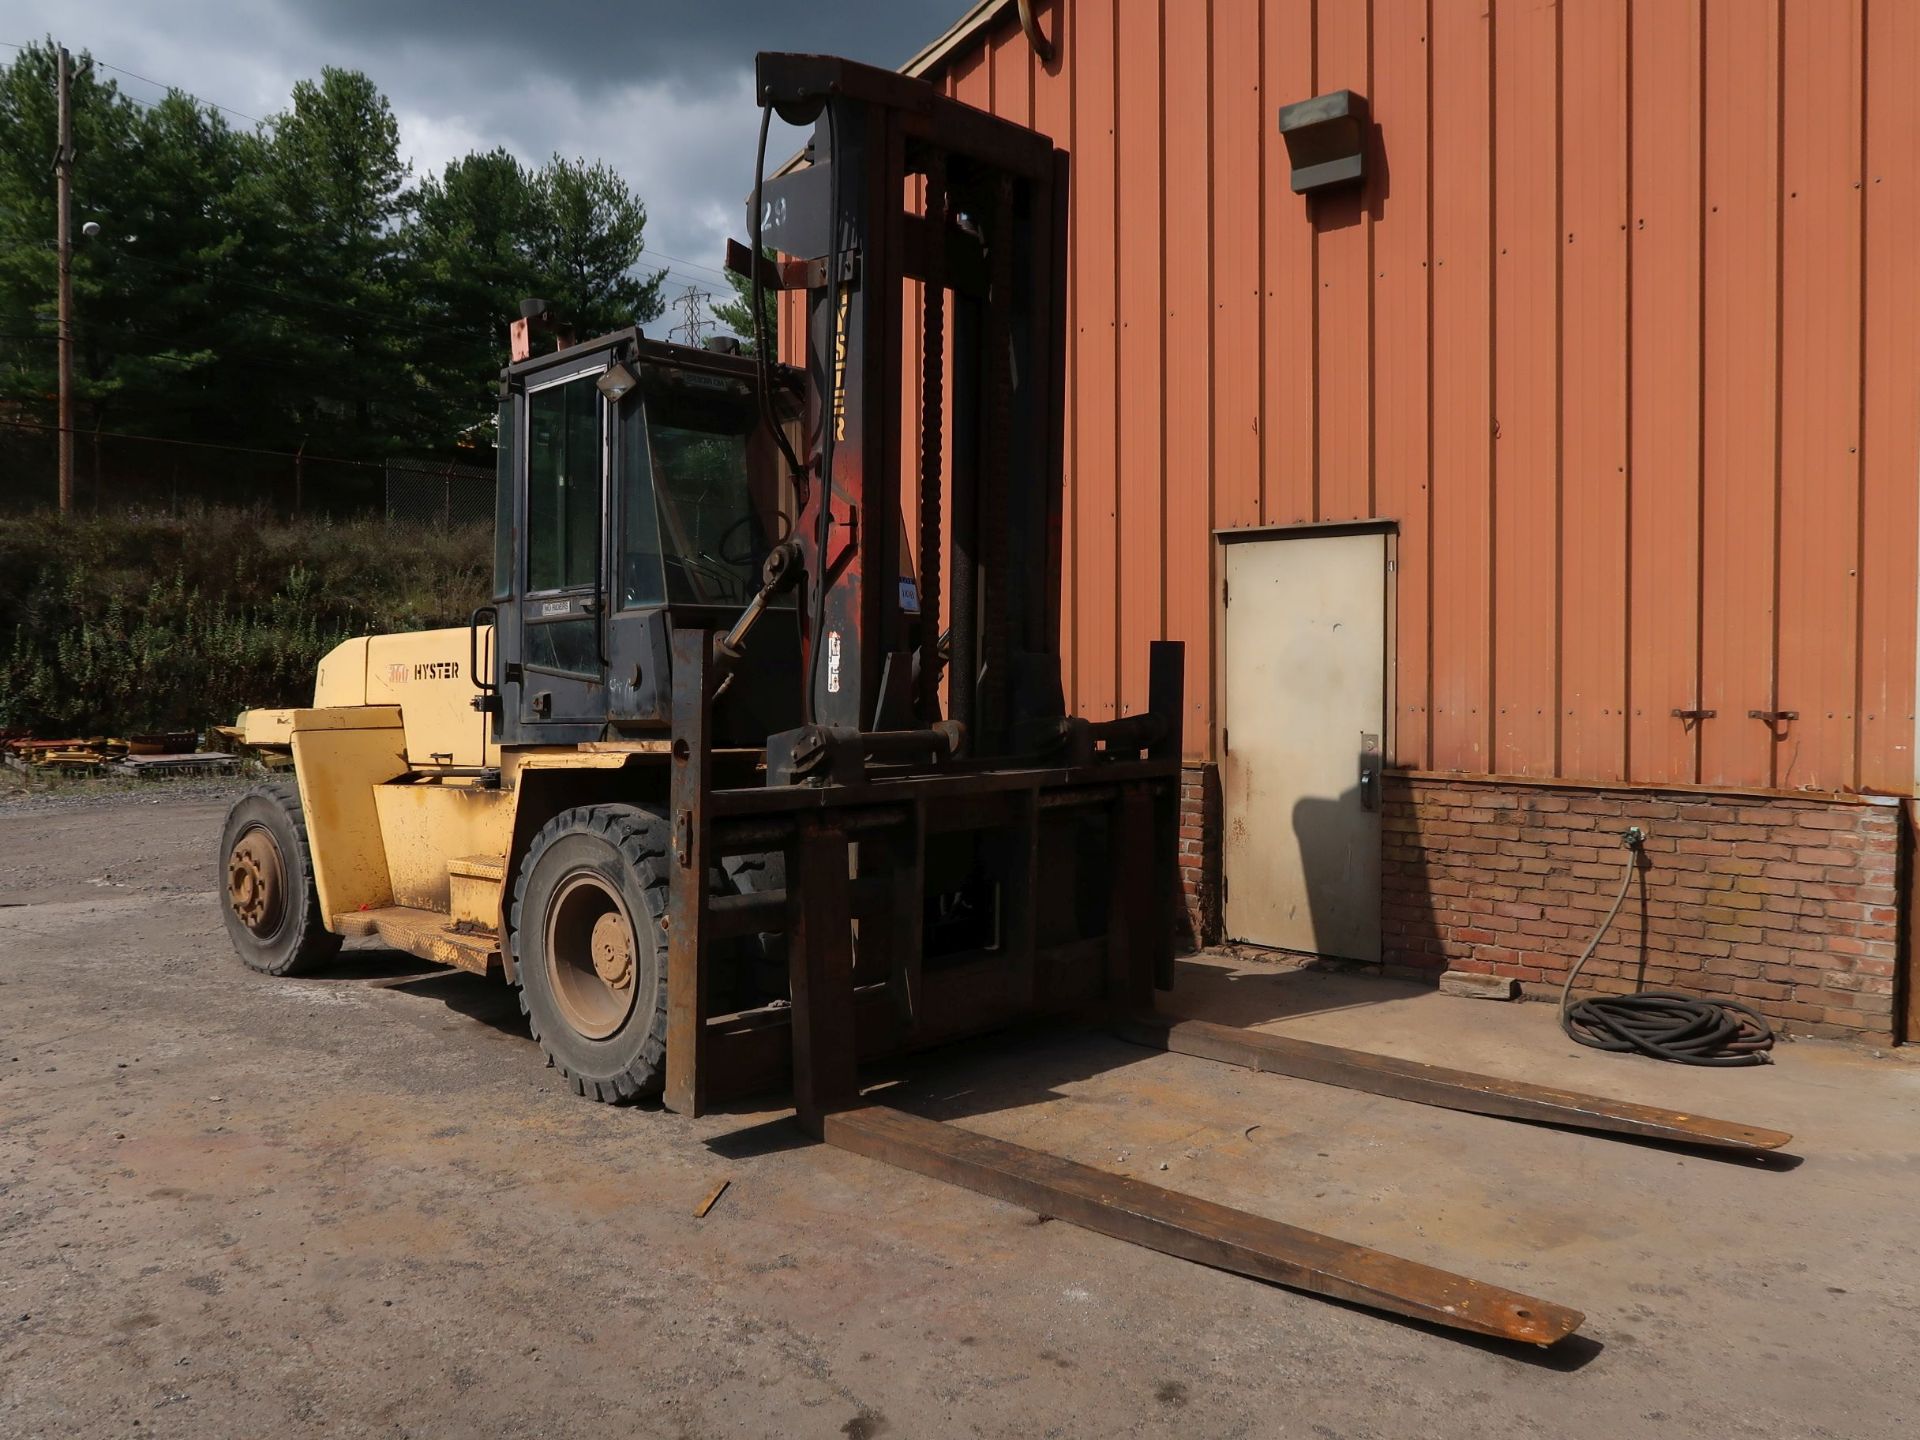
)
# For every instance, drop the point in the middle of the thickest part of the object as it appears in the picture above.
(235, 1205)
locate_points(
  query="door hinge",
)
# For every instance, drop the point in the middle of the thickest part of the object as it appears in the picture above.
(1225, 885)
(1226, 739)
(1226, 594)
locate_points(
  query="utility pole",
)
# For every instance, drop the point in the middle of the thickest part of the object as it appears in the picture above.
(63, 186)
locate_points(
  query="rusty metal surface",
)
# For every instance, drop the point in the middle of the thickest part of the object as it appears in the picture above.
(1195, 1229)
(590, 953)
(691, 818)
(257, 881)
(1436, 1085)
(820, 972)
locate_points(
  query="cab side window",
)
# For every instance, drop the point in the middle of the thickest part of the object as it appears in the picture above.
(564, 452)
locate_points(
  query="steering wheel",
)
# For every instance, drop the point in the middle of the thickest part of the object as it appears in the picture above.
(724, 545)
(739, 531)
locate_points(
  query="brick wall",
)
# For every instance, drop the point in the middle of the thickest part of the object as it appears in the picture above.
(1787, 904)
(1200, 853)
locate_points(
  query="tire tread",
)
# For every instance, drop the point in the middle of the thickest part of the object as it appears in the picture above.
(315, 944)
(639, 836)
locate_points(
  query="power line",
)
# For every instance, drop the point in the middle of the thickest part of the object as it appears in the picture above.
(157, 84)
(686, 264)
(687, 277)
(211, 104)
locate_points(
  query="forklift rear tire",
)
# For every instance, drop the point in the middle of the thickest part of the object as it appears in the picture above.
(268, 897)
(590, 948)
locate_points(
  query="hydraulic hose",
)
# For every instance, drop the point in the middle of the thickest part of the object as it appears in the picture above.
(1683, 1029)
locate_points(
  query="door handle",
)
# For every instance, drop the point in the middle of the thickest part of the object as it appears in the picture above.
(487, 700)
(1370, 772)
(492, 614)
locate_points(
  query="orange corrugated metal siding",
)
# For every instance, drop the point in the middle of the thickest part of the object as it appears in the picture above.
(1624, 334)
(1664, 395)
(1402, 375)
(1139, 232)
(1890, 512)
(1526, 375)
(1459, 122)
(1188, 436)
(1092, 299)
(1817, 615)
(1740, 469)
(1593, 534)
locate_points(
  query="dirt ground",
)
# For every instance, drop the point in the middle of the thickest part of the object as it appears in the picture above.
(236, 1206)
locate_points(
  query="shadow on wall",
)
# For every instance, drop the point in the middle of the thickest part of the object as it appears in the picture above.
(1345, 208)
(1339, 878)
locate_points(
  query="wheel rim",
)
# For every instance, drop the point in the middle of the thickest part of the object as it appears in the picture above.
(257, 881)
(592, 958)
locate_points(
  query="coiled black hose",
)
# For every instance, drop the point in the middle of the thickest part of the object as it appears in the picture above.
(1684, 1029)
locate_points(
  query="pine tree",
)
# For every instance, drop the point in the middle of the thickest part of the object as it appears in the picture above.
(737, 314)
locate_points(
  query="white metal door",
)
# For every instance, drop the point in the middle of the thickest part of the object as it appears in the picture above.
(1305, 673)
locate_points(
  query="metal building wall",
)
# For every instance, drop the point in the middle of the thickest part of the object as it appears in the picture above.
(1624, 333)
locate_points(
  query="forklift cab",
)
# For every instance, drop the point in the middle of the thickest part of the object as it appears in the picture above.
(639, 490)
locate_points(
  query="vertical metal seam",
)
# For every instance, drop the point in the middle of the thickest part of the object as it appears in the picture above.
(1779, 369)
(1427, 698)
(1113, 230)
(1211, 611)
(1626, 395)
(1366, 218)
(1160, 227)
(1556, 679)
(1698, 738)
(1492, 619)
(1070, 458)
(1262, 423)
(1860, 552)
(1313, 290)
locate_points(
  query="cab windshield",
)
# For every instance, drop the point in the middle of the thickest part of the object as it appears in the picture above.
(700, 494)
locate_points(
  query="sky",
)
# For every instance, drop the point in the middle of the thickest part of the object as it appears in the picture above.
(662, 91)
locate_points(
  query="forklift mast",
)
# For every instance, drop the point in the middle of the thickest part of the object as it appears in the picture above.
(997, 858)
(915, 201)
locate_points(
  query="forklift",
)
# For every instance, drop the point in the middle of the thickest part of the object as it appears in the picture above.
(757, 765)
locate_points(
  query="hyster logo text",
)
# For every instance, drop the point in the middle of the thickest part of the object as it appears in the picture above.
(840, 365)
(437, 670)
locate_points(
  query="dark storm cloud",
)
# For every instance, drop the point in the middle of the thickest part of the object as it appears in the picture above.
(598, 44)
(661, 91)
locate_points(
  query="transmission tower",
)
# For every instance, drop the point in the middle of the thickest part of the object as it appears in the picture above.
(695, 324)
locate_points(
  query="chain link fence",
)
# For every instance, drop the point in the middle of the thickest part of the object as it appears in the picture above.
(116, 473)
(436, 492)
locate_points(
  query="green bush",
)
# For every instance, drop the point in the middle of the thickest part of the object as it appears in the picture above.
(130, 623)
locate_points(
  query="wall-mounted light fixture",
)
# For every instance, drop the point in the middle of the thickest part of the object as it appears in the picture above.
(1326, 141)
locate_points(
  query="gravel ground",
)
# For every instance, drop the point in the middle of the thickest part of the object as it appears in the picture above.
(231, 1205)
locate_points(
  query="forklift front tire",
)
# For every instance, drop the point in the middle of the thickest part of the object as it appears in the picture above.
(590, 949)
